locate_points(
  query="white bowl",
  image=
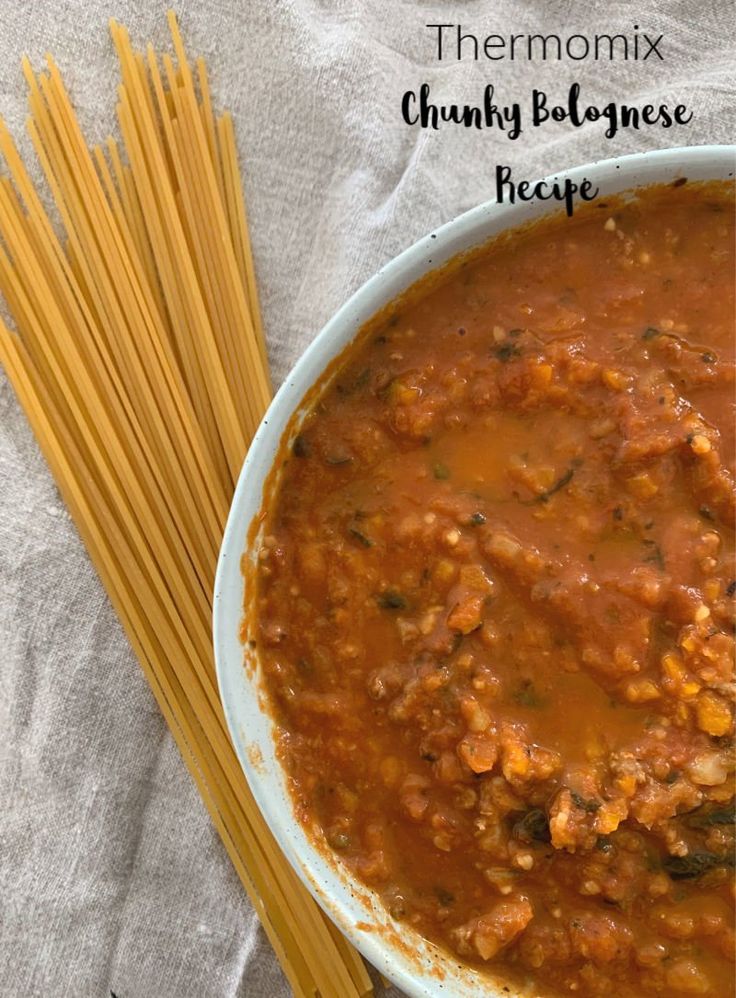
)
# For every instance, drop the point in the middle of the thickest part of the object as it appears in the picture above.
(399, 953)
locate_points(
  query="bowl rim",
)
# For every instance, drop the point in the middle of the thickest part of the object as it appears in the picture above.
(426, 254)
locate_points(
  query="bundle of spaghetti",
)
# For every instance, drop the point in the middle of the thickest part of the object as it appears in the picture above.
(140, 361)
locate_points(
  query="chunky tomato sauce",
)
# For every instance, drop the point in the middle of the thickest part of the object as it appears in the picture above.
(495, 603)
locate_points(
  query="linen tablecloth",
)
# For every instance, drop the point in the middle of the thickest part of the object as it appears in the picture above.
(111, 876)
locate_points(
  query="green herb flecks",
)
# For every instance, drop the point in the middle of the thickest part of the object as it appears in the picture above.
(559, 484)
(527, 695)
(655, 556)
(532, 827)
(545, 496)
(695, 864)
(391, 599)
(506, 351)
(708, 816)
(360, 537)
(589, 805)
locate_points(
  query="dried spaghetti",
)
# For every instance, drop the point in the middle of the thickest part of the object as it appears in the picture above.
(140, 361)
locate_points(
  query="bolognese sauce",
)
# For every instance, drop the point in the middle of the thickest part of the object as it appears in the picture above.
(495, 602)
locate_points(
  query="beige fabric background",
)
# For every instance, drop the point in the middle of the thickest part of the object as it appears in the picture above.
(111, 877)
